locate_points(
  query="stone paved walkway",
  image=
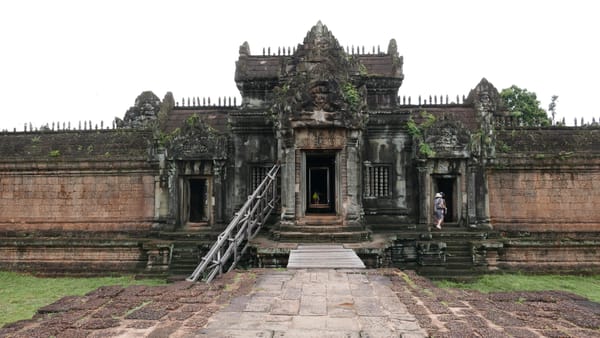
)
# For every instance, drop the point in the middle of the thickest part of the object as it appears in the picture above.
(312, 303)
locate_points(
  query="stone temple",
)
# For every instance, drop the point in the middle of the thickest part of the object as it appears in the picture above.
(358, 165)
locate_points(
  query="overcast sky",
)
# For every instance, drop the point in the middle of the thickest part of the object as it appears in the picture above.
(88, 60)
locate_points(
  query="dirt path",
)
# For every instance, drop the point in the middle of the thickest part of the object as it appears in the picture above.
(417, 308)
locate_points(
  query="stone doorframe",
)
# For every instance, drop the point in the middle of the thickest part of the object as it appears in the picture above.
(301, 177)
(428, 172)
(345, 143)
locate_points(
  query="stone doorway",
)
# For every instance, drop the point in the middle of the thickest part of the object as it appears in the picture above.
(447, 185)
(320, 180)
(196, 202)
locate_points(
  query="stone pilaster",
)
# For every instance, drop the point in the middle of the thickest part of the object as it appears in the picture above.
(354, 210)
(287, 155)
(218, 188)
(424, 170)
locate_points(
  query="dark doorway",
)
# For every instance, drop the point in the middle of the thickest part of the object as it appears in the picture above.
(198, 201)
(446, 185)
(320, 182)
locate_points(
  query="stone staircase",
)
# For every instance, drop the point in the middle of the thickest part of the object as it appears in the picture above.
(451, 254)
(319, 229)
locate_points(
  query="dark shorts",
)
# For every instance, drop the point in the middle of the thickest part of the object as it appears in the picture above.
(439, 214)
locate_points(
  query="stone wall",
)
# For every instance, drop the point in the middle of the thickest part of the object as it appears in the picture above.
(70, 200)
(76, 181)
(78, 202)
(546, 180)
(541, 200)
(544, 189)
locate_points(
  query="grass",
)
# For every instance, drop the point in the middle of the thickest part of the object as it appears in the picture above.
(586, 286)
(21, 294)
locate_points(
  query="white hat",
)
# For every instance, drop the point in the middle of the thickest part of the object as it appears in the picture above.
(438, 195)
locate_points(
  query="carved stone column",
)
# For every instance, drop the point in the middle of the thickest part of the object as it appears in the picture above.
(471, 196)
(354, 210)
(287, 155)
(424, 169)
(482, 198)
(218, 189)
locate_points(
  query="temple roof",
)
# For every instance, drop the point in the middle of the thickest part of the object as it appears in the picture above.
(318, 41)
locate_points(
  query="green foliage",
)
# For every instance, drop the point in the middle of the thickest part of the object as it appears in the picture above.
(362, 70)
(417, 130)
(413, 128)
(552, 107)
(586, 286)
(351, 96)
(21, 295)
(425, 150)
(54, 153)
(525, 105)
(503, 147)
(428, 119)
(166, 138)
(192, 120)
(35, 139)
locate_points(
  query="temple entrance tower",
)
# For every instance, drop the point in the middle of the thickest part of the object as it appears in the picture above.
(317, 98)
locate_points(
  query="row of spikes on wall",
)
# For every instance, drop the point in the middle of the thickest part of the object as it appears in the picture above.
(58, 126)
(351, 50)
(507, 121)
(232, 102)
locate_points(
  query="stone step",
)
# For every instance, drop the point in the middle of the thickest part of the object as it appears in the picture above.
(320, 220)
(318, 229)
(309, 237)
(332, 256)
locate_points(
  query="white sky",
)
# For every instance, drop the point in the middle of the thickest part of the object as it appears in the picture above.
(88, 60)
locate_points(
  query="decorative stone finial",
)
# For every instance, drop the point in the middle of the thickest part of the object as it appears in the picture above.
(245, 49)
(392, 47)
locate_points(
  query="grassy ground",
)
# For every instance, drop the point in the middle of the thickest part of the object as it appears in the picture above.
(21, 295)
(586, 286)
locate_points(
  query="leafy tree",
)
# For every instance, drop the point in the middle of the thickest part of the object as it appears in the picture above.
(525, 105)
(552, 107)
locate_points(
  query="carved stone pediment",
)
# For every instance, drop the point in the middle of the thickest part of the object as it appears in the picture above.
(196, 140)
(320, 84)
(448, 138)
(143, 114)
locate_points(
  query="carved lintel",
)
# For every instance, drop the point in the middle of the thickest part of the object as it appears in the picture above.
(320, 139)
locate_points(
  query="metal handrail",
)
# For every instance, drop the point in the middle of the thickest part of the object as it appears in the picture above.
(243, 227)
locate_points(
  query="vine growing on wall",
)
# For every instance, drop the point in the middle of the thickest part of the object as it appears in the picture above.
(351, 97)
(417, 130)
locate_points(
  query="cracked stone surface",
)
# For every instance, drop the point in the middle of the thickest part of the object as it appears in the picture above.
(311, 303)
